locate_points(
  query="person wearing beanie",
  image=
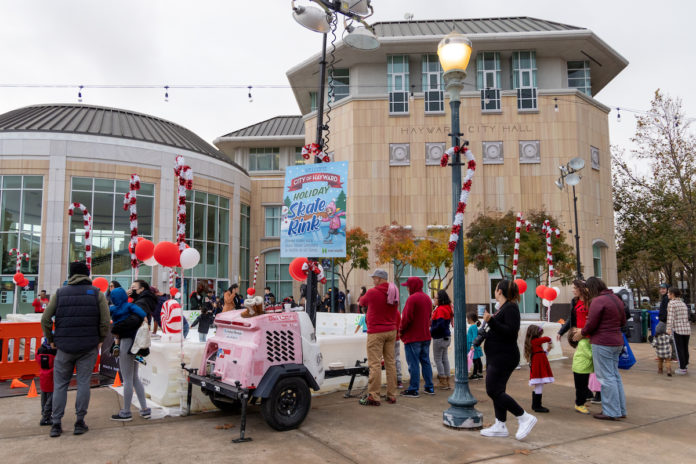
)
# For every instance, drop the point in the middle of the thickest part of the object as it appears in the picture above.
(81, 317)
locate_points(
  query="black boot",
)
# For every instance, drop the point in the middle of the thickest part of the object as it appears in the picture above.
(536, 403)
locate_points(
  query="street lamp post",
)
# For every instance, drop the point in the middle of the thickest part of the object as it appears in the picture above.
(569, 176)
(454, 52)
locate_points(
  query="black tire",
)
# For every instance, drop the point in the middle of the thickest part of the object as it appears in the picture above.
(225, 406)
(288, 404)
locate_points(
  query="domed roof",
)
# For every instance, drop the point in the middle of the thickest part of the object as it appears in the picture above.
(108, 122)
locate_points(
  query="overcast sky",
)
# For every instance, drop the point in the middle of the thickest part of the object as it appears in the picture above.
(238, 42)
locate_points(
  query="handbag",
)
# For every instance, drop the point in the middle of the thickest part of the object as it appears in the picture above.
(626, 358)
(593, 384)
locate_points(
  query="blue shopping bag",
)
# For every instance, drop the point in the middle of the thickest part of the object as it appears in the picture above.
(626, 358)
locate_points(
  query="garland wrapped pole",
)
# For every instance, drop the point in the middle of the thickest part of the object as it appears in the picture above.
(516, 251)
(549, 256)
(256, 271)
(18, 268)
(185, 175)
(87, 221)
(129, 203)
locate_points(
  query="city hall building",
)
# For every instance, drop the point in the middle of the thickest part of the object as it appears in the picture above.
(528, 107)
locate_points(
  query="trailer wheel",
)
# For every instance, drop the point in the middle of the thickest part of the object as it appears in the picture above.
(226, 406)
(288, 404)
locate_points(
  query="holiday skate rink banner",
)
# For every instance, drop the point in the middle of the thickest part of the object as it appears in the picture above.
(313, 217)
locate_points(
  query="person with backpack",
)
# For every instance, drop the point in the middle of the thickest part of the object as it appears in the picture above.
(204, 321)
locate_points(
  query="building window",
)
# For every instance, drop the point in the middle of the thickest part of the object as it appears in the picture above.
(339, 83)
(410, 271)
(597, 259)
(433, 85)
(278, 275)
(272, 214)
(244, 246)
(488, 70)
(397, 83)
(21, 204)
(524, 70)
(579, 76)
(110, 225)
(313, 101)
(264, 159)
(298, 159)
(208, 231)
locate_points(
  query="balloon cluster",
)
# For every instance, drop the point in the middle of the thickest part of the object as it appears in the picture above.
(19, 278)
(547, 294)
(166, 254)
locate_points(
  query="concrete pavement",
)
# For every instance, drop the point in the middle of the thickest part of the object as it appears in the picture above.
(659, 428)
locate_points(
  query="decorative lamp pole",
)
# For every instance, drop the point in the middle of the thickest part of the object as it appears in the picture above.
(570, 176)
(454, 51)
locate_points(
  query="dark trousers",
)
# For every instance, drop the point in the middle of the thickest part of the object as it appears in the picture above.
(682, 344)
(478, 366)
(497, 376)
(46, 404)
(418, 358)
(63, 367)
(582, 392)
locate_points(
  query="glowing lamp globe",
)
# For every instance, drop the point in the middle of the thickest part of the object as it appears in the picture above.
(454, 52)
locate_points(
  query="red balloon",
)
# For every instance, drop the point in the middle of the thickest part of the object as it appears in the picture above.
(295, 269)
(165, 253)
(550, 294)
(251, 291)
(144, 249)
(522, 285)
(101, 283)
(173, 291)
(130, 245)
(18, 277)
(24, 282)
(540, 291)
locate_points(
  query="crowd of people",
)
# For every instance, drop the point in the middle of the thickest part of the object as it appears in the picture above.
(78, 317)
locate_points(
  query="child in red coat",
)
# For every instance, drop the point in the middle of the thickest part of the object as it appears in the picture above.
(45, 356)
(539, 367)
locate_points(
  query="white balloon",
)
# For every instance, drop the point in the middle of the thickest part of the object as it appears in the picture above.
(151, 261)
(546, 303)
(189, 258)
(558, 291)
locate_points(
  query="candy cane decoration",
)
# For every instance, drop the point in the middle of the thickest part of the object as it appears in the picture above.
(129, 203)
(516, 252)
(549, 257)
(172, 275)
(15, 251)
(466, 189)
(185, 175)
(87, 221)
(256, 270)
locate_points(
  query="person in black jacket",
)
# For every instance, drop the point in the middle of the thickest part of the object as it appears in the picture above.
(142, 296)
(204, 321)
(502, 357)
(662, 316)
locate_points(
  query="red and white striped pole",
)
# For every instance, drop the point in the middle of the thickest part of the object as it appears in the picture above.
(256, 271)
(87, 221)
(549, 256)
(516, 252)
(185, 175)
(129, 203)
(15, 251)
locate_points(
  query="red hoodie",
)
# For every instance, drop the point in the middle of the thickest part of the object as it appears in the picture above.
(381, 317)
(415, 321)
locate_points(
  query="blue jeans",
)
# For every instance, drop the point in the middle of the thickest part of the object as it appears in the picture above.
(606, 365)
(417, 358)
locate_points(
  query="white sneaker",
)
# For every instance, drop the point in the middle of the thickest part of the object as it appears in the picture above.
(526, 423)
(499, 429)
(680, 371)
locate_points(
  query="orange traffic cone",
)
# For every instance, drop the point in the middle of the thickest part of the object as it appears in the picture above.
(16, 383)
(117, 381)
(32, 390)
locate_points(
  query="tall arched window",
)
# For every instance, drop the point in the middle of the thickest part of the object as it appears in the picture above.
(598, 257)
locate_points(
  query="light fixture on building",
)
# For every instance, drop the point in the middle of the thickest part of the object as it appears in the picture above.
(356, 7)
(555, 104)
(166, 93)
(79, 94)
(251, 99)
(618, 114)
(361, 38)
(570, 176)
(454, 52)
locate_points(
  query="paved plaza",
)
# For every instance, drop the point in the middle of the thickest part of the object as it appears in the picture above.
(659, 429)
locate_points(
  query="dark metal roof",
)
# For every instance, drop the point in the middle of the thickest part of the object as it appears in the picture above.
(468, 26)
(109, 122)
(278, 126)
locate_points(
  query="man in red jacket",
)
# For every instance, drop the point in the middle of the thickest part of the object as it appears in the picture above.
(382, 319)
(415, 333)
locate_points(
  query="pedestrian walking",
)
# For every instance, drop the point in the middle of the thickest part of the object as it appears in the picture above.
(679, 327)
(539, 368)
(81, 317)
(502, 358)
(471, 334)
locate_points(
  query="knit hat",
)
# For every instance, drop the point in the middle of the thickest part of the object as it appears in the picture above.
(78, 267)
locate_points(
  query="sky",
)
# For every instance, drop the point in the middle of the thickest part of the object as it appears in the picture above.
(234, 42)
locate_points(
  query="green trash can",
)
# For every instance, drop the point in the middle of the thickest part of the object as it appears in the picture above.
(646, 323)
